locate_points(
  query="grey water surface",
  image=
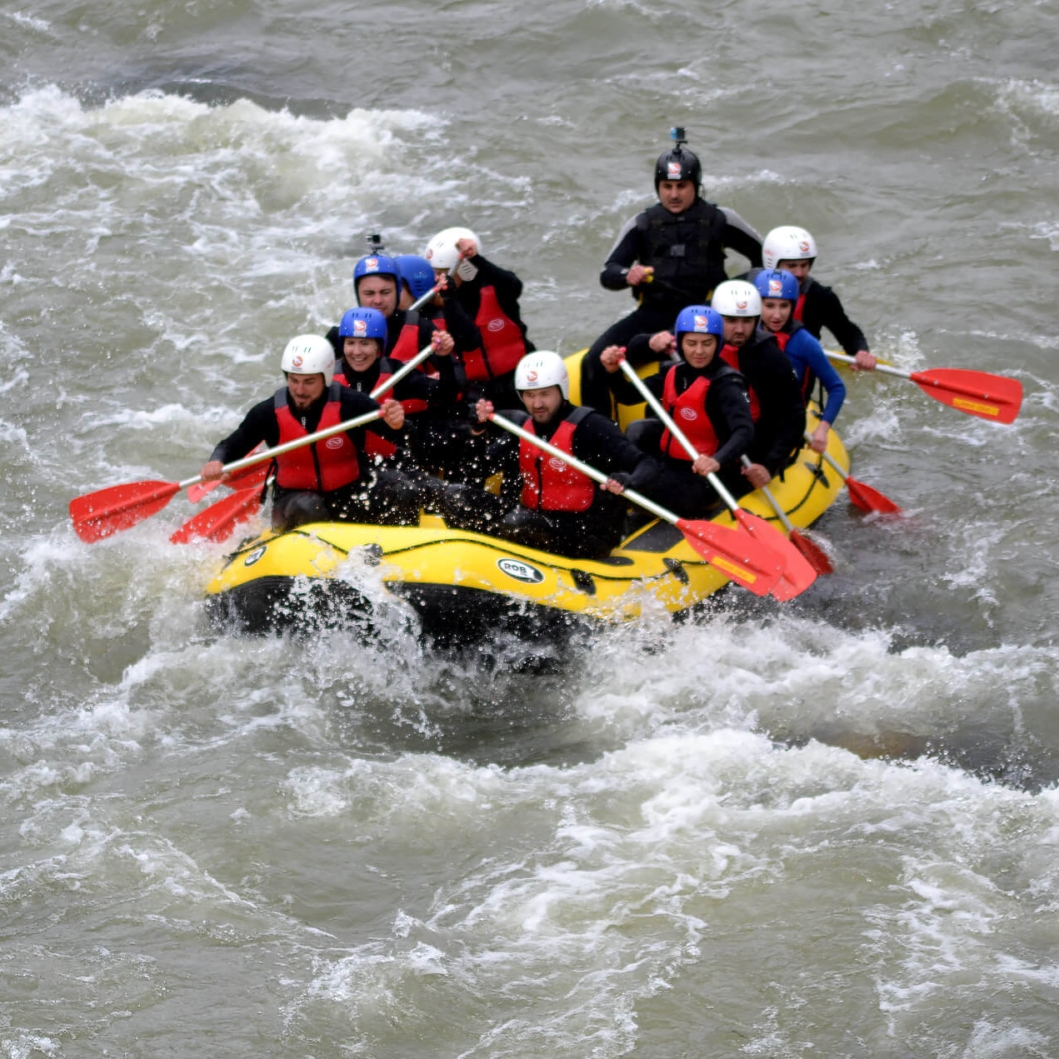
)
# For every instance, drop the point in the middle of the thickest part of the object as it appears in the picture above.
(829, 828)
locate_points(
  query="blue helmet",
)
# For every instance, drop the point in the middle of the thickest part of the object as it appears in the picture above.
(415, 273)
(701, 320)
(364, 323)
(376, 265)
(777, 283)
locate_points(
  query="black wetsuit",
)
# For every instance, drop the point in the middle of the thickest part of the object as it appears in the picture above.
(779, 429)
(821, 309)
(687, 252)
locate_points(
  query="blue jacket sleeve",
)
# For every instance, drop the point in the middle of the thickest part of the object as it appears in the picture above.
(806, 351)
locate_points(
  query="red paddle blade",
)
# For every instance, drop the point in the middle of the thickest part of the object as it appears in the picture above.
(200, 489)
(746, 561)
(868, 499)
(978, 393)
(815, 556)
(798, 575)
(119, 507)
(218, 521)
(243, 479)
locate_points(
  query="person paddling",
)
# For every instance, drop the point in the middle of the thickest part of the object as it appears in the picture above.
(706, 396)
(489, 296)
(331, 479)
(794, 249)
(544, 502)
(779, 293)
(776, 403)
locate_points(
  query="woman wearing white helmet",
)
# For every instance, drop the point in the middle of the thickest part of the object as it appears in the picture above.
(776, 404)
(794, 249)
(544, 502)
(331, 479)
(489, 295)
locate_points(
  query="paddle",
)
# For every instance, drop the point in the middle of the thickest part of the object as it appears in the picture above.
(239, 480)
(814, 554)
(977, 393)
(216, 522)
(120, 507)
(798, 575)
(746, 561)
(866, 498)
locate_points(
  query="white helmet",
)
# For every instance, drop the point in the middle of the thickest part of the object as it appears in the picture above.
(538, 371)
(442, 254)
(309, 354)
(736, 297)
(787, 243)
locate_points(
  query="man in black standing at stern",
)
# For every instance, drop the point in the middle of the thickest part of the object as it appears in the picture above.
(670, 255)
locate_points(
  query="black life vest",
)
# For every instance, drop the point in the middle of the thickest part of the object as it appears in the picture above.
(686, 251)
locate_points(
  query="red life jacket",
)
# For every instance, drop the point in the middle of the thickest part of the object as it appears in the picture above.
(799, 307)
(373, 444)
(730, 355)
(548, 483)
(324, 465)
(502, 343)
(407, 344)
(689, 410)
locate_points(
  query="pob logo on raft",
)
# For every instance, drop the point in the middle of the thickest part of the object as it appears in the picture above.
(520, 571)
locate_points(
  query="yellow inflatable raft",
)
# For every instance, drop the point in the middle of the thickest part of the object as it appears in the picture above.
(463, 585)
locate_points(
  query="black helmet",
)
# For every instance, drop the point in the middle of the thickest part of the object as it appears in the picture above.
(677, 163)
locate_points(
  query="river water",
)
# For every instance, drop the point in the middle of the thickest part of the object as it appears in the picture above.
(828, 828)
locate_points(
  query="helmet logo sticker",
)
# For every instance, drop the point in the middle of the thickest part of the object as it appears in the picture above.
(334, 443)
(700, 323)
(496, 324)
(673, 170)
(803, 246)
(371, 263)
(689, 413)
(297, 360)
(775, 288)
(741, 305)
(360, 328)
(429, 254)
(531, 375)
(520, 571)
